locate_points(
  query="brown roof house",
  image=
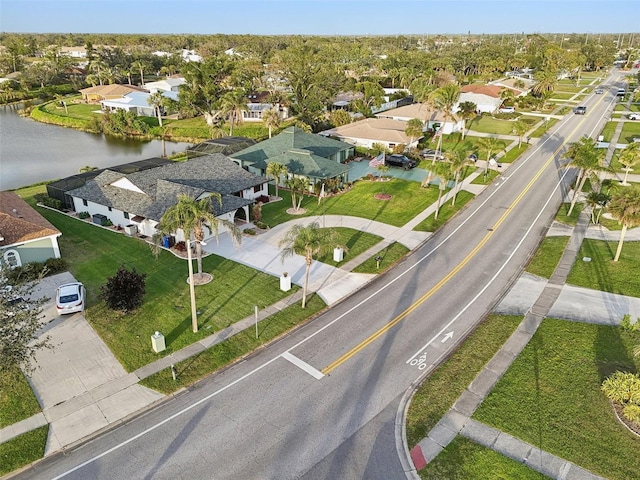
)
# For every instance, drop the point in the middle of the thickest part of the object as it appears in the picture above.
(107, 92)
(25, 235)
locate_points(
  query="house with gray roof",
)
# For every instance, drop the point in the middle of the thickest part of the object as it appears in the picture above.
(138, 200)
(304, 154)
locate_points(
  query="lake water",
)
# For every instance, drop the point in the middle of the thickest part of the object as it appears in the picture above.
(32, 152)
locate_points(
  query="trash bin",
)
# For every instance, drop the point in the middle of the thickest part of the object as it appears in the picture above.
(165, 241)
(157, 342)
(285, 282)
(338, 254)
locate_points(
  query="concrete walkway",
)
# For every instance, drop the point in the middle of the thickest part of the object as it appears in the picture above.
(95, 392)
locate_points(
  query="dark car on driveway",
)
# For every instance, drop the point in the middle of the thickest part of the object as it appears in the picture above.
(401, 161)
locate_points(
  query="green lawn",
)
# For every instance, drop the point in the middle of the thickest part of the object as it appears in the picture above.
(551, 397)
(563, 217)
(17, 400)
(561, 95)
(630, 130)
(464, 460)
(243, 343)
(545, 260)
(541, 130)
(607, 131)
(23, 449)
(443, 387)
(482, 180)
(355, 242)
(388, 257)
(430, 224)
(94, 254)
(601, 273)
(408, 199)
(488, 124)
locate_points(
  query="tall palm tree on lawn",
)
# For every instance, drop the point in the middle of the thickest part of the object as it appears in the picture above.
(156, 101)
(308, 241)
(629, 157)
(624, 206)
(194, 217)
(459, 160)
(232, 105)
(443, 99)
(467, 111)
(441, 170)
(492, 145)
(520, 127)
(298, 187)
(276, 171)
(141, 66)
(414, 129)
(584, 155)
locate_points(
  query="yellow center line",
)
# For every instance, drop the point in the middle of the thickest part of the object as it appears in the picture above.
(335, 364)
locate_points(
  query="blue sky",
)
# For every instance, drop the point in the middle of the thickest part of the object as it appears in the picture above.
(320, 17)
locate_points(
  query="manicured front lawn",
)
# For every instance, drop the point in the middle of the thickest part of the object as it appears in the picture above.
(94, 254)
(602, 273)
(388, 257)
(355, 242)
(541, 130)
(443, 387)
(431, 224)
(464, 460)
(408, 199)
(607, 131)
(489, 124)
(630, 130)
(245, 342)
(547, 256)
(17, 400)
(551, 397)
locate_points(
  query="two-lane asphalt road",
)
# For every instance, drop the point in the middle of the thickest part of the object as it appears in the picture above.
(321, 403)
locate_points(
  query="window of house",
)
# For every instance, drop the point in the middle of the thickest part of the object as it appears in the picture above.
(12, 258)
(109, 208)
(126, 215)
(85, 203)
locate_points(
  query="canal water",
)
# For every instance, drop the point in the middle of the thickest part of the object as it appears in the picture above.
(32, 152)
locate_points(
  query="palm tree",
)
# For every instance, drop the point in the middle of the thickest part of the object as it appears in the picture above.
(467, 111)
(308, 241)
(584, 155)
(625, 207)
(597, 201)
(414, 129)
(156, 101)
(193, 217)
(442, 170)
(232, 105)
(492, 145)
(443, 99)
(140, 66)
(629, 157)
(298, 187)
(546, 82)
(520, 127)
(271, 118)
(459, 160)
(276, 171)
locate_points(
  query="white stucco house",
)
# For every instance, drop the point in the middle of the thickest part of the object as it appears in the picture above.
(137, 102)
(170, 84)
(369, 131)
(432, 119)
(138, 200)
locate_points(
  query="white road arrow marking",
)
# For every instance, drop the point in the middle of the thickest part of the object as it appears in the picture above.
(448, 336)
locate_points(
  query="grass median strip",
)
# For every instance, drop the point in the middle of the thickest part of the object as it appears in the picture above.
(17, 400)
(23, 449)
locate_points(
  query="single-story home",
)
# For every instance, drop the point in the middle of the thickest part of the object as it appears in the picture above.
(369, 131)
(486, 97)
(137, 201)
(107, 92)
(137, 102)
(169, 84)
(433, 119)
(25, 235)
(304, 154)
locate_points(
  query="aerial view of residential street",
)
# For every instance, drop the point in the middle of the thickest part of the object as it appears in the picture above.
(319, 240)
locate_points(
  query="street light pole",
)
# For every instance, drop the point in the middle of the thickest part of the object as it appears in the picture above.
(192, 291)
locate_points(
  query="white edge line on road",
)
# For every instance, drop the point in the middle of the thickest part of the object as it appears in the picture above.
(317, 374)
(340, 317)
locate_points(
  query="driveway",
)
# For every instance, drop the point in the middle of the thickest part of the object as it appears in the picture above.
(80, 385)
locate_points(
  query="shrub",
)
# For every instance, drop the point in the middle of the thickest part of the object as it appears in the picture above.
(83, 215)
(623, 387)
(55, 265)
(628, 326)
(632, 412)
(249, 231)
(46, 200)
(124, 291)
(262, 225)
(107, 223)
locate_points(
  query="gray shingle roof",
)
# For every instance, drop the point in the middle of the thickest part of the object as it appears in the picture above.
(162, 185)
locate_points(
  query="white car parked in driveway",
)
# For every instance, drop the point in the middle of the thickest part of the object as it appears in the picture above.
(70, 298)
(634, 116)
